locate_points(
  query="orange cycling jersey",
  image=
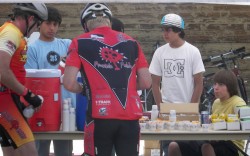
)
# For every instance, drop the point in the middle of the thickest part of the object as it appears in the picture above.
(16, 47)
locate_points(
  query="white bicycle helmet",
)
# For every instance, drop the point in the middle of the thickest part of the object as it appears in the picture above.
(91, 9)
(173, 20)
(38, 9)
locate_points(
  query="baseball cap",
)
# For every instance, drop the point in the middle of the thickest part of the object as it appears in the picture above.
(173, 20)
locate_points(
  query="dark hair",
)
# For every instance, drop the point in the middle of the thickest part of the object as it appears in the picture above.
(229, 79)
(176, 30)
(54, 15)
(117, 24)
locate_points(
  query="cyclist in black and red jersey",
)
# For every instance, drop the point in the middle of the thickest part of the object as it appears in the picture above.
(16, 135)
(114, 68)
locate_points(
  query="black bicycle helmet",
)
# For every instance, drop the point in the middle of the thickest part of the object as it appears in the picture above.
(38, 9)
(90, 10)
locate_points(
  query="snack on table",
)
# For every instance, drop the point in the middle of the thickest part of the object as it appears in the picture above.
(160, 124)
(224, 117)
(143, 119)
(232, 118)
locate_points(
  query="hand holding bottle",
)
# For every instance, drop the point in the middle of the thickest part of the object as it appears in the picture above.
(29, 110)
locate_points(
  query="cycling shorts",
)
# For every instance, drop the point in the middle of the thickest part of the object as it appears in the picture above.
(102, 135)
(14, 129)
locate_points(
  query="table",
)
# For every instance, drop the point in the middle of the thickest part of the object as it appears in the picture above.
(155, 135)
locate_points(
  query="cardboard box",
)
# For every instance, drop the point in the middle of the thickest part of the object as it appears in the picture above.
(243, 111)
(219, 125)
(151, 152)
(245, 125)
(233, 126)
(184, 111)
(151, 148)
(152, 144)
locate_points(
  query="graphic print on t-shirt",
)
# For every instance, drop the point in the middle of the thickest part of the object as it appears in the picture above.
(113, 63)
(174, 68)
(53, 58)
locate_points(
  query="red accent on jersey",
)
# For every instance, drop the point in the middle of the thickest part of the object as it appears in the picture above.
(89, 148)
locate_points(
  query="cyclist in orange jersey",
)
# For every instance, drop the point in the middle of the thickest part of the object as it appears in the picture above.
(16, 136)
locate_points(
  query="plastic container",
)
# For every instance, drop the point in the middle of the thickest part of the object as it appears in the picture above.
(154, 113)
(81, 107)
(28, 112)
(205, 117)
(65, 116)
(72, 119)
(172, 116)
(45, 82)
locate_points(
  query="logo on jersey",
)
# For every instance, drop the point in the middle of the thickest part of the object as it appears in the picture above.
(174, 68)
(112, 56)
(10, 45)
(120, 37)
(53, 58)
(97, 37)
(13, 123)
(103, 111)
(23, 54)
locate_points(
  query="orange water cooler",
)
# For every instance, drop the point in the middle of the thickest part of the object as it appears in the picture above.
(45, 82)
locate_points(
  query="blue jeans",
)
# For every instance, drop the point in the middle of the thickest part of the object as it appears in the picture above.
(61, 147)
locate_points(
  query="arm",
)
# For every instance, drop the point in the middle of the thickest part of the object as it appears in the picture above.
(7, 77)
(143, 79)
(198, 87)
(70, 81)
(156, 89)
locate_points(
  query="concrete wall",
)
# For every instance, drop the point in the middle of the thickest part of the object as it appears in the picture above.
(214, 29)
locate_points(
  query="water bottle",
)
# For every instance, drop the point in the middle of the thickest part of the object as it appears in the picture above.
(62, 65)
(154, 113)
(172, 116)
(65, 121)
(29, 111)
(72, 119)
(69, 102)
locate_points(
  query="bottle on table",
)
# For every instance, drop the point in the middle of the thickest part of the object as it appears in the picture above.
(65, 120)
(154, 113)
(72, 119)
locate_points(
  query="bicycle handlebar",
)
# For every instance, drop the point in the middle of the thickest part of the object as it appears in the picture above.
(239, 50)
(235, 52)
(244, 55)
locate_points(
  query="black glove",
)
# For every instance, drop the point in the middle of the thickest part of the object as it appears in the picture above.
(35, 101)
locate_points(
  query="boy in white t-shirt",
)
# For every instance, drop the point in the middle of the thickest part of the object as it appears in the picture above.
(176, 69)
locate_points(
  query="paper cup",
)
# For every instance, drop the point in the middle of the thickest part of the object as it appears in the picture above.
(205, 127)
(143, 126)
